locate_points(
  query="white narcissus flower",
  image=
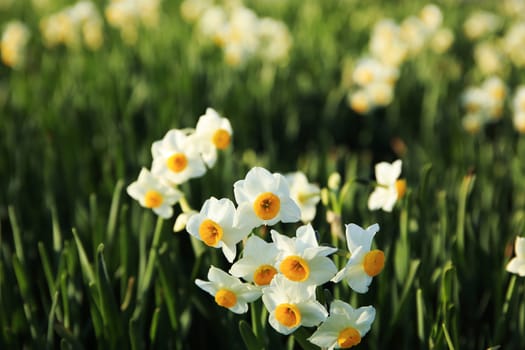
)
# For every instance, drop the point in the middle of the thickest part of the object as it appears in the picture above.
(292, 305)
(214, 226)
(301, 259)
(344, 327)
(305, 194)
(13, 42)
(389, 189)
(152, 193)
(212, 133)
(176, 158)
(264, 199)
(517, 264)
(364, 263)
(229, 291)
(257, 262)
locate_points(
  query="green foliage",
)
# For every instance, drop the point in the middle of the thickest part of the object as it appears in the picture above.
(82, 265)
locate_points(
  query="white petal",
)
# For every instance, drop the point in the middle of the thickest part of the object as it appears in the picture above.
(367, 315)
(312, 313)
(386, 173)
(290, 211)
(358, 280)
(519, 247)
(239, 307)
(208, 287)
(164, 211)
(357, 237)
(378, 198)
(229, 252)
(245, 217)
(517, 266)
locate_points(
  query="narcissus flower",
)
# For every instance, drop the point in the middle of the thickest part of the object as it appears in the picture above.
(152, 193)
(364, 263)
(345, 326)
(301, 259)
(389, 188)
(264, 199)
(257, 262)
(517, 264)
(214, 226)
(292, 305)
(176, 158)
(229, 291)
(305, 194)
(212, 133)
(13, 43)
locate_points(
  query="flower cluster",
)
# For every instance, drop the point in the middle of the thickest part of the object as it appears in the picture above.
(390, 45)
(178, 157)
(73, 26)
(239, 31)
(286, 271)
(483, 104)
(13, 43)
(128, 15)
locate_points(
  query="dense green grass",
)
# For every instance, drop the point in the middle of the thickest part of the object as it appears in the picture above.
(83, 265)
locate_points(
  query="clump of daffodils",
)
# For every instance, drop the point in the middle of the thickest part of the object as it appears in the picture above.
(128, 15)
(13, 44)
(74, 26)
(239, 32)
(285, 270)
(483, 104)
(374, 82)
(390, 45)
(481, 23)
(178, 157)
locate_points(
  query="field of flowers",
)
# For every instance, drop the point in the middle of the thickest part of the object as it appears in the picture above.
(271, 174)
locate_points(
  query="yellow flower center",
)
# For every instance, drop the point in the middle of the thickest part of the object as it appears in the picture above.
(401, 188)
(210, 232)
(264, 274)
(374, 262)
(498, 93)
(221, 139)
(295, 268)
(153, 199)
(359, 103)
(225, 298)
(177, 162)
(348, 337)
(288, 315)
(365, 76)
(267, 206)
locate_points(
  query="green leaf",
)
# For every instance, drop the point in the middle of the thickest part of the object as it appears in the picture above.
(108, 304)
(113, 212)
(17, 235)
(25, 291)
(87, 270)
(47, 268)
(50, 320)
(301, 336)
(250, 340)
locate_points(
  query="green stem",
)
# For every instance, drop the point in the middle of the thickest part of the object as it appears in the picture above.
(152, 259)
